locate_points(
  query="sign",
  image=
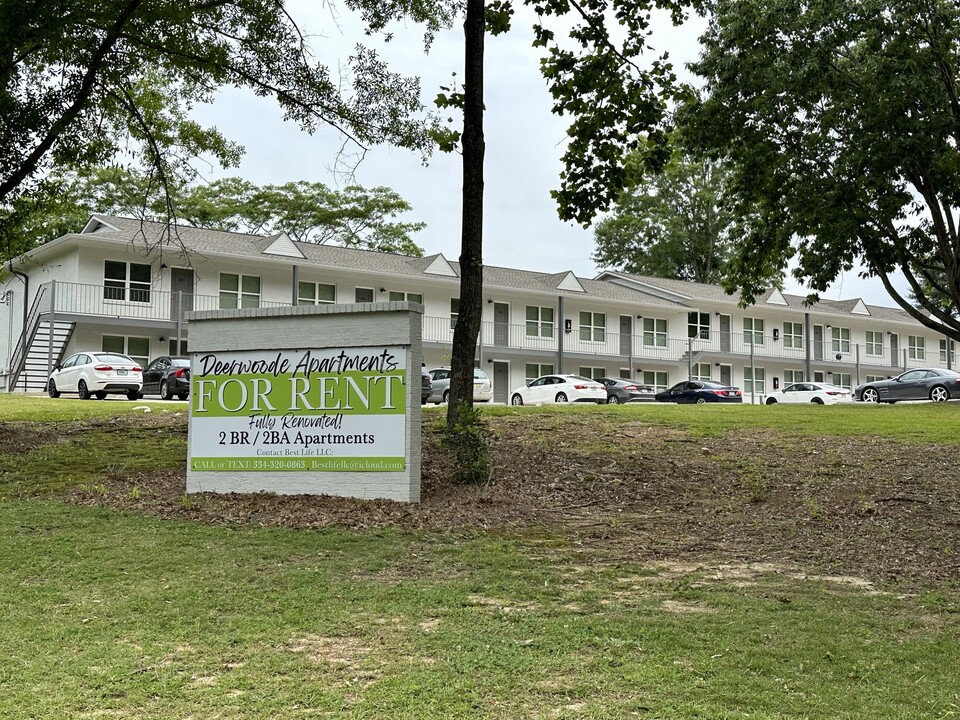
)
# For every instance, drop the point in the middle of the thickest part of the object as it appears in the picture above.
(315, 410)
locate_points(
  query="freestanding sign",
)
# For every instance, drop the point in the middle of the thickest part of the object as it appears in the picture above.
(280, 403)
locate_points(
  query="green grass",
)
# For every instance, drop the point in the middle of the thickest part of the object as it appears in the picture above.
(120, 616)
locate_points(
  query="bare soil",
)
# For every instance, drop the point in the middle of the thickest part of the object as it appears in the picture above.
(869, 507)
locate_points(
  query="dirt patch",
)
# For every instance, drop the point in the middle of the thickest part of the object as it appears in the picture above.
(863, 507)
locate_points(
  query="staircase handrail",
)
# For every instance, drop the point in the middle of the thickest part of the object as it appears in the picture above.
(19, 359)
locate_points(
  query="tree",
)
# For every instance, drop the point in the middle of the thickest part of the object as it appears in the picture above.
(670, 224)
(81, 83)
(842, 124)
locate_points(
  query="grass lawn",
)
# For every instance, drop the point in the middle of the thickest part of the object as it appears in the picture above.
(130, 613)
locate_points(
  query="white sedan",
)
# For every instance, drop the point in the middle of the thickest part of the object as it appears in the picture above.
(559, 389)
(95, 374)
(817, 393)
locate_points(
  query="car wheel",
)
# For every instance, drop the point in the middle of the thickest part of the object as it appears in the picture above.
(446, 396)
(101, 395)
(817, 401)
(701, 400)
(771, 401)
(939, 393)
(560, 398)
(612, 399)
(870, 395)
(165, 393)
(82, 390)
(516, 400)
(52, 389)
(133, 394)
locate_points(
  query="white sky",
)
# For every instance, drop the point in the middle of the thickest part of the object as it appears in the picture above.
(524, 143)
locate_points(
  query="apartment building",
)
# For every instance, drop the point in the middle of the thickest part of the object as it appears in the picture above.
(124, 285)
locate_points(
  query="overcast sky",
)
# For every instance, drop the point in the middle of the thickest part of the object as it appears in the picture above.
(524, 143)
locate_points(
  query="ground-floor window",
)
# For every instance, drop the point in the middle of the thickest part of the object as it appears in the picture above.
(754, 380)
(137, 348)
(700, 371)
(875, 378)
(593, 373)
(819, 376)
(534, 370)
(844, 380)
(625, 374)
(659, 380)
(792, 376)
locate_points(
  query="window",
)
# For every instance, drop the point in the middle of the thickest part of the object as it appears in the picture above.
(654, 332)
(406, 297)
(844, 380)
(840, 339)
(594, 373)
(624, 374)
(875, 378)
(793, 336)
(316, 294)
(658, 380)
(792, 376)
(363, 295)
(539, 321)
(532, 371)
(753, 331)
(698, 325)
(754, 380)
(874, 342)
(943, 351)
(916, 345)
(137, 348)
(239, 291)
(700, 371)
(454, 312)
(126, 281)
(593, 326)
(818, 376)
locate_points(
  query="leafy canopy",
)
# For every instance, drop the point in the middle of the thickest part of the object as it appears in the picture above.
(842, 124)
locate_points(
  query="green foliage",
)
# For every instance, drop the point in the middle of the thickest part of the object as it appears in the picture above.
(840, 122)
(669, 224)
(469, 445)
(308, 212)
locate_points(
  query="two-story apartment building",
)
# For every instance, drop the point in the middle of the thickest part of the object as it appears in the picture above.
(125, 285)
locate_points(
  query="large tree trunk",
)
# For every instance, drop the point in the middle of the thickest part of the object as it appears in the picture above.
(471, 232)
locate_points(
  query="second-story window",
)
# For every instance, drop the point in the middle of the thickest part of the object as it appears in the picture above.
(363, 295)
(916, 347)
(840, 339)
(539, 321)
(698, 325)
(753, 331)
(454, 312)
(593, 327)
(793, 335)
(874, 342)
(239, 291)
(408, 297)
(316, 294)
(943, 351)
(126, 281)
(654, 332)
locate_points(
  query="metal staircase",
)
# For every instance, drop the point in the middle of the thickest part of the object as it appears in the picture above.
(32, 355)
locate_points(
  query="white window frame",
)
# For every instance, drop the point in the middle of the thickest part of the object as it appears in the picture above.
(127, 289)
(698, 325)
(314, 298)
(593, 326)
(143, 359)
(241, 297)
(592, 372)
(754, 380)
(398, 296)
(844, 380)
(840, 339)
(793, 336)
(943, 350)
(874, 343)
(753, 331)
(454, 312)
(658, 379)
(357, 291)
(791, 376)
(542, 324)
(541, 370)
(916, 347)
(655, 332)
(701, 371)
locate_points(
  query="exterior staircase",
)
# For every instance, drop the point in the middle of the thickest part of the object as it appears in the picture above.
(32, 354)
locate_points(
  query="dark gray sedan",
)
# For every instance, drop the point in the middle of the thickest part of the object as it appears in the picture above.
(626, 391)
(920, 384)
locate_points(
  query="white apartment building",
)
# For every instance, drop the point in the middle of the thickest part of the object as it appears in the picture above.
(123, 285)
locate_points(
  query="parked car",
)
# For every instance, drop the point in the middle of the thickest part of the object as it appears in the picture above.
(559, 389)
(425, 385)
(700, 391)
(440, 386)
(96, 374)
(810, 392)
(167, 376)
(920, 384)
(624, 391)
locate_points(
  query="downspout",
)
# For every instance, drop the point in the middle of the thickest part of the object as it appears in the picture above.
(296, 286)
(806, 330)
(560, 335)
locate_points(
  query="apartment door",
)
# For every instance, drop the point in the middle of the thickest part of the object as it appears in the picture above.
(501, 381)
(725, 333)
(181, 287)
(501, 325)
(894, 349)
(726, 373)
(818, 342)
(626, 335)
